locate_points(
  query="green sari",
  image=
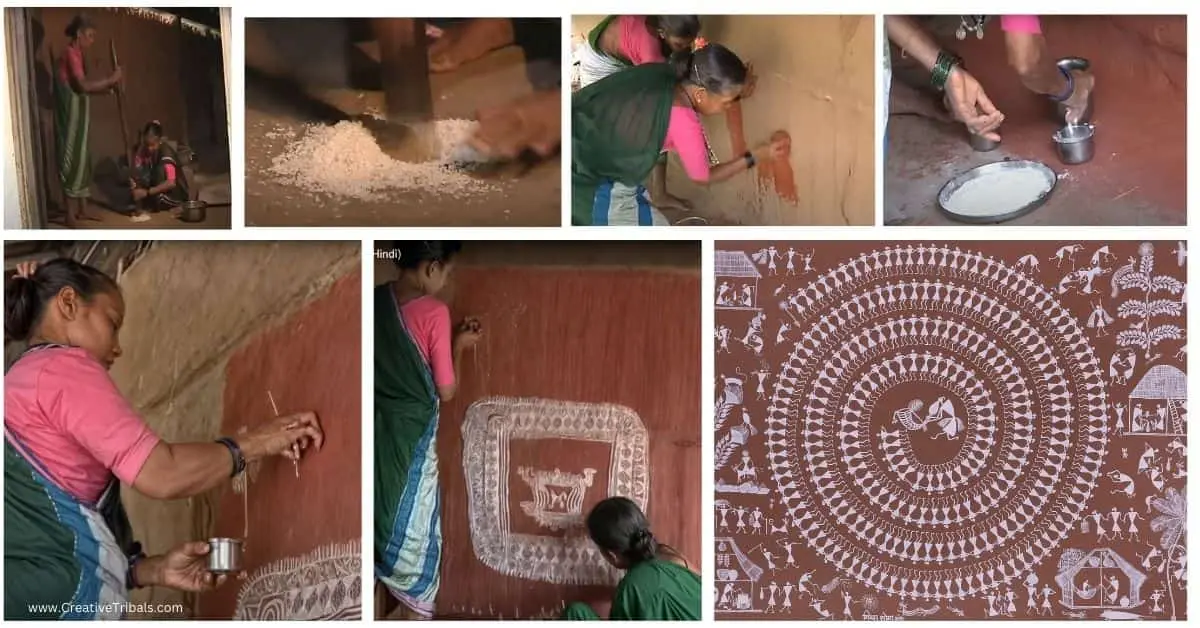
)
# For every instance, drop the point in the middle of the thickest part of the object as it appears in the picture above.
(408, 535)
(72, 119)
(656, 590)
(618, 128)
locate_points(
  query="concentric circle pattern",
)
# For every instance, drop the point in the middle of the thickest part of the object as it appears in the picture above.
(922, 506)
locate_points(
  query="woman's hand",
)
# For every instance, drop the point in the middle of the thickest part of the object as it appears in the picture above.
(533, 122)
(116, 77)
(184, 568)
(970, 105)
(779, 147)
(279, 435)
(1076, 105)
(467, 334)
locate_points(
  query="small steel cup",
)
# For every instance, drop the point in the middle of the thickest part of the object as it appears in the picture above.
(224, 555)
(1075, 143)
(982, 144)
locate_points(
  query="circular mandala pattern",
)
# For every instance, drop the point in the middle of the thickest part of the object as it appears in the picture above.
(940, 426)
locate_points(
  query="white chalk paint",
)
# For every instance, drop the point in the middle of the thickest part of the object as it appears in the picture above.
(998, 192)
(490, 426)
(324, 584)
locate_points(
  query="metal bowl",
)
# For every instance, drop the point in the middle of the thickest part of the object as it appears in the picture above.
(982, 144)
(224, 555)
(691, 221)
(1075, 143)
(193, 211)
(953, 185)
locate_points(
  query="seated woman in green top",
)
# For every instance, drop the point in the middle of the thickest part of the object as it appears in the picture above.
(658, 584)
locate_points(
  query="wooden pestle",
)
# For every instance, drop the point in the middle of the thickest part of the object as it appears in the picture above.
(408, 95)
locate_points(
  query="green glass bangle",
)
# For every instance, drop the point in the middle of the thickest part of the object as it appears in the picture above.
(946, 62)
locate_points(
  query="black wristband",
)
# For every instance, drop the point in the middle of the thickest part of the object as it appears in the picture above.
(239, 461)
(751, 161)
(131, 581)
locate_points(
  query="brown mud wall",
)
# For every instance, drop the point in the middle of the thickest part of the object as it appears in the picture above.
(611, 325)
(190, 306)
(171, 75)
(816, 81)
(1140, 113)
(310, 362)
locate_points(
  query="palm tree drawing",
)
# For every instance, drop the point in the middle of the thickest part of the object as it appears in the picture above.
(1172, 524)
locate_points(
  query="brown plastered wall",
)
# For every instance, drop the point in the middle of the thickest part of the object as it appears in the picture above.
(166, 72)
(625, 310)
(816, 80)
(189, 307)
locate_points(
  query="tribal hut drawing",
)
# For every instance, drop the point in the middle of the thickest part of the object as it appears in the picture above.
(961, 430)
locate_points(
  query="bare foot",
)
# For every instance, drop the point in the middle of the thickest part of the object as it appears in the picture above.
(530, 123)
(466, 42)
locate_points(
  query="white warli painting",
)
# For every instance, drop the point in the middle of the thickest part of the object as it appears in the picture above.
(491, 425)
(324, 584)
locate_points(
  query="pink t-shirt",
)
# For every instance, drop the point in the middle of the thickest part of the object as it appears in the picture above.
(685, 137)
(1029, 24)
(638, 44)
(66, 412)
(428, 322)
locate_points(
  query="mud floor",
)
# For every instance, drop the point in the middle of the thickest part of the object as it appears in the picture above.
(815, 81)
(532, 199)
(1138, 175)
(190, 306)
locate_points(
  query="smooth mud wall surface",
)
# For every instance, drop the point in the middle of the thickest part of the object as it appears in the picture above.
(163, 81)
(816, 80)
(189, 307)
(1140, 63)
(628, 337)
(310, 362)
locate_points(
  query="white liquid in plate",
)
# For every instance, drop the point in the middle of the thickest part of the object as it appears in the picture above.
(998, 192)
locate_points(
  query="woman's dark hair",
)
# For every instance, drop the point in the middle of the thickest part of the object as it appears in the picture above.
(25, 298)
(410, 254)
(713, 67)
(619, 526)
(685, 26)
(154, 127)
(78, 23)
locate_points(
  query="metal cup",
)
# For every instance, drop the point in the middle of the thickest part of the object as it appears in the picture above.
(1075, 143)
(982, 144)
(224, 555)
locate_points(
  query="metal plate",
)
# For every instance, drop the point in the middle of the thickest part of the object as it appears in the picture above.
(953, 185)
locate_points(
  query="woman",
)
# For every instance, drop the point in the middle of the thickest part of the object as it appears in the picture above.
(71, 440)
(72, 117)
(623, 123)
(158, 182)
(622, 41)
(658, 585)
(418, 358)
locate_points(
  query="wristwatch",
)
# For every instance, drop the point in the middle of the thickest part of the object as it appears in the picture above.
(750, 159)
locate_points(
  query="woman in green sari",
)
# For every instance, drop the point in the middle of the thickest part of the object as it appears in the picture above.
(72, 117)
(622, 125)
(658, 585)
(417, 360)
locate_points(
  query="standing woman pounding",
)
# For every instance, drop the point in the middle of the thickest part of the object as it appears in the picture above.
(72, 117)
(71, 439)
(418, 358)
